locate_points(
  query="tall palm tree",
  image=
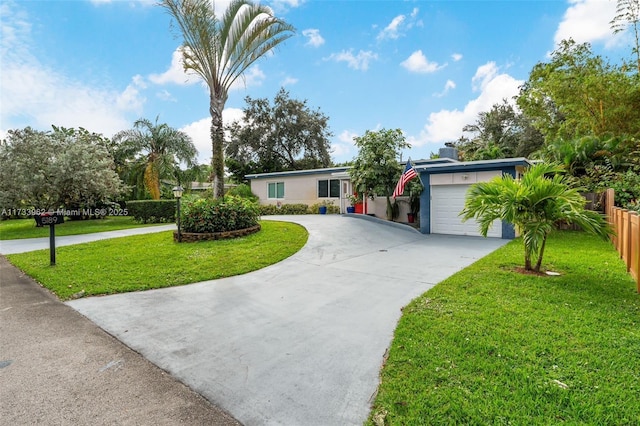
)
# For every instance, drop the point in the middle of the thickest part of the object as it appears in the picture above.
(163, 147)
(534, 204)
(220, 50)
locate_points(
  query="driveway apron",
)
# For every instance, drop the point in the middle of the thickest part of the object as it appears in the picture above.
(297, 343)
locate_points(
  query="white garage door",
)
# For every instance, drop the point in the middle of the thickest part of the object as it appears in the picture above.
(447, 201)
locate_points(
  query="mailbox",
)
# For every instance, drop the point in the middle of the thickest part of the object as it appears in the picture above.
(49, 219)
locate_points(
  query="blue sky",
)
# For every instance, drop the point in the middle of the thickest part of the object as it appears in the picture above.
(426, 67)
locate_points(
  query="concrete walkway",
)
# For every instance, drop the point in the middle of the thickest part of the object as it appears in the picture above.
(297, 343)
(32, 244)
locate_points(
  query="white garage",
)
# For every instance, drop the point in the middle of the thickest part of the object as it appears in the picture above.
(448, 192)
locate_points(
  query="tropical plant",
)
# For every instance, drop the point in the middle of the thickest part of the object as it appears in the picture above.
(535, 204)
(220, 50)
(375, 169)
(162, 147)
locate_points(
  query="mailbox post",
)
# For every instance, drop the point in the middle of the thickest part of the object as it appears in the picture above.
(51, 220)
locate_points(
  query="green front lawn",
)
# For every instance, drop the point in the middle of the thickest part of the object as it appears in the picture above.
(15, 229)
(490, 346)
(149, 261)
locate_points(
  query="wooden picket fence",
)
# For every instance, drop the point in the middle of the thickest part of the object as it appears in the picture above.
(626, 225)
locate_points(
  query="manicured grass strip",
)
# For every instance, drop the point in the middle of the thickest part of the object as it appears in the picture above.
(149, 261)
(490, 346)
(15, 229)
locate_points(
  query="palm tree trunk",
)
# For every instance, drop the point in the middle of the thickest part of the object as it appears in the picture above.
(539, 262)
(217, 144)
(152, 180)
(527, 258)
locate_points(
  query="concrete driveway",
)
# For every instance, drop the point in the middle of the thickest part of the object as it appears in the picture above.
(300, 342)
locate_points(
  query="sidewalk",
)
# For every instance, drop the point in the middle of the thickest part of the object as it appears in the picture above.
(32, 244)
(59, 368)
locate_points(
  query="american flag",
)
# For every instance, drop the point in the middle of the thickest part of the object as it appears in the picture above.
(408, 174)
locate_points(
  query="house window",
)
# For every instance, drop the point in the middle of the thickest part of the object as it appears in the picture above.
(275, 190)
(329, 188)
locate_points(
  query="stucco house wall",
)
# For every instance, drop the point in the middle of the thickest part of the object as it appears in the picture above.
(301, 186)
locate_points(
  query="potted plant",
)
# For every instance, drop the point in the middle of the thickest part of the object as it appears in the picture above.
(324, 205)
(353, 200)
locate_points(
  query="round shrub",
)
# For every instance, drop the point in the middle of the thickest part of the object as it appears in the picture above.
(206, 215)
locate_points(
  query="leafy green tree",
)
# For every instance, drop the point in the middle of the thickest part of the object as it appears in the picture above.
(534, 204)
(220, 50)
(63, 168)
(578, 93)
(375, 169)
(500, 132)
(162, 148)
(285, 135)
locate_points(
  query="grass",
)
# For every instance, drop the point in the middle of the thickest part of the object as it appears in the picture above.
(26, 228)
(492, 346)
(149, 261)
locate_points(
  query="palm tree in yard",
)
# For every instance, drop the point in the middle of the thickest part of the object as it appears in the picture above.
(163, 147)
(535, 204)
(220, 50)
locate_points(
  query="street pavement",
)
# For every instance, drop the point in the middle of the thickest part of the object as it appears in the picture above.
(300, 342)
(59, 368)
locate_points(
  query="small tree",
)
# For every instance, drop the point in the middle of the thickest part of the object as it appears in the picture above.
(534, 204)
(376, 169)
(162, 147)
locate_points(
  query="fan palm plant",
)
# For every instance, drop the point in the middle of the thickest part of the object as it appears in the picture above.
(535, 204)
(220, 50)
(163, 147)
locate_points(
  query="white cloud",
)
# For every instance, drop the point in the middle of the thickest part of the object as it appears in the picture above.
(344, 149)
(165, 95)
(283, 6)
(391, 30)
(131, 99)
(398, 25)
(357, 62)
(176, 73)
(37, 95)
(484, 74)
(456, 57)
(315, 39)
(418, 63)
(587, 21)
(200, 132)
(446, 125)
(449, 85)
(288, 81)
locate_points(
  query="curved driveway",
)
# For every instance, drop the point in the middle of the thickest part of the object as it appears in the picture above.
(300, 342)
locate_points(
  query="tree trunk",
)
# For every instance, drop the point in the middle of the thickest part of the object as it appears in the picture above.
(527, 259)
(217, 146)
(539, 262)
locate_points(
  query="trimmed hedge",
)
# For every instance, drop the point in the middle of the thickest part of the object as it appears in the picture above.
(206, 215)
(152, 211)
(331, 209)
(296, 209)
